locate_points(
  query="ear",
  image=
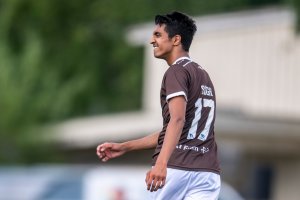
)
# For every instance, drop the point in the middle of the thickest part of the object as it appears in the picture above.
(176, 40)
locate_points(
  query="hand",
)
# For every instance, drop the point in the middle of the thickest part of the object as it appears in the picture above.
(156, 177)
(107, 151)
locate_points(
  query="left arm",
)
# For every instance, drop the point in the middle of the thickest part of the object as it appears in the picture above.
(156, 177)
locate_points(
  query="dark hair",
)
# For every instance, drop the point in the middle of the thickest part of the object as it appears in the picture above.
(178, 24)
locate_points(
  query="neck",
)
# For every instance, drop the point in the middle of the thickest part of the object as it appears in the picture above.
(172, 59)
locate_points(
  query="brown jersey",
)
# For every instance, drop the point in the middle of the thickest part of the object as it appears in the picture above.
(196, 149)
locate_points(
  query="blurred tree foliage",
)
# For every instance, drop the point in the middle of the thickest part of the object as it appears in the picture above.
(68, 58)
(295, 4)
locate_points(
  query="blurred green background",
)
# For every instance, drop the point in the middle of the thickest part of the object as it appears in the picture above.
(64, 59)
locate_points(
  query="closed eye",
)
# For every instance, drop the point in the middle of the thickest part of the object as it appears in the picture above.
(157, 34)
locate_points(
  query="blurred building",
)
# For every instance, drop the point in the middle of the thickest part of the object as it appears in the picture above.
(253, 58)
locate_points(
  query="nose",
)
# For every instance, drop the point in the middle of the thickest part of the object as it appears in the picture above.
(152, 41)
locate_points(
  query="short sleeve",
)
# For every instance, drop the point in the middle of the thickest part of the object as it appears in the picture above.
(176, 82)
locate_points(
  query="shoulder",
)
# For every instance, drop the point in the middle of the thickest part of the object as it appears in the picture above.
(177, 72)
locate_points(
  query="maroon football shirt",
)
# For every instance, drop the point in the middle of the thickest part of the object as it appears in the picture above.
(197, 149)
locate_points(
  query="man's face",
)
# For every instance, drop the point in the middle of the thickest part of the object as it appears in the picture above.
(162, 44)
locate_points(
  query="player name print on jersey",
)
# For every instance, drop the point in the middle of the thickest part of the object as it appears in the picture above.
(206, 90)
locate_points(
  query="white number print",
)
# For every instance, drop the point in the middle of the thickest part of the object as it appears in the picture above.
(193, 130)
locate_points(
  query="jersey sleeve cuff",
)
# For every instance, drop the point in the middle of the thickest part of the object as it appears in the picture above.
(181, 93)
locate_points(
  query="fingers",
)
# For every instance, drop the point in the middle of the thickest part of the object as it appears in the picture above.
(147, 177)
(163, 183)
(104, 146)
(107, 156)
(100, 152)
(103, 152)
(154, 182)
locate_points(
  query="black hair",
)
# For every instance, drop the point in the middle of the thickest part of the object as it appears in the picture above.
(178, 24)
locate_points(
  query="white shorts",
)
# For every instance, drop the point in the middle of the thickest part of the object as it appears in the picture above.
(189, 185)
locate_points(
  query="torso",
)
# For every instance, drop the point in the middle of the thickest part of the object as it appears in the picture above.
(196, 149)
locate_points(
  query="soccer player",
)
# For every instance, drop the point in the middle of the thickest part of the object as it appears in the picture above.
(185, 161)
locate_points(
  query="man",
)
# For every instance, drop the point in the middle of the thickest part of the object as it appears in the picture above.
(185, 161)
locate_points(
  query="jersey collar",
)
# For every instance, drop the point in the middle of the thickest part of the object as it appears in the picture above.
(181, 58)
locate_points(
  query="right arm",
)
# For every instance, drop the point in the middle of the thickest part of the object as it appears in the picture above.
(107, 151)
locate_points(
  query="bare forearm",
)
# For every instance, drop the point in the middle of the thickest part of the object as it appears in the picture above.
(172, 137)
(147, 142)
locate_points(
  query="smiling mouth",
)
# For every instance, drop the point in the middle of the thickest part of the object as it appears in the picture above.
(155, 47)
